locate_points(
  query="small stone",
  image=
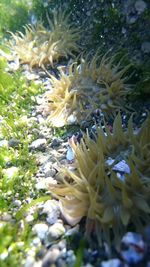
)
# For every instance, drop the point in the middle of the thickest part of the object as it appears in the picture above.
(31, 76)
(29, 262)
(39, 144)
(51, 208)
(70, 156)
(112, 263)
(145, 47)
(3, 143)
(13, 142)
(17, 203)
(140, 6)
(50, 173)
(29, 218)
(6, 217)
(14, 65)
(72, 119)
(51, 257)
(56, 231)
(41, 184)
(132, 19)
(50, 181)
(132, 248)
(46, 168)
(11, 172)
(71, 258)
(62, 244)
(36, 241)
(41, 229)
(41, 158)
(40, 119)
(122, 166)
(55, 142)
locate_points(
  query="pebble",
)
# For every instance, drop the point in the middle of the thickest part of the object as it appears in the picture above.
(40, 119)
(11, 172)
(46, 169)
(3, 143)
(113, 263)
(42, 158)
(17, 203)
(36, 241)
(41, 184)
(39, 144)
(132, 248)
(5, 217)
(70, 156)
(29, 261)
(14, 65)
(51, 257)
(13, 142)
(55, 142)
(51, 208)
(62, 244)
(29, 218)
(50, 173)
(55, 231)
(122, 166)
(50, 181)
(41, 229)
(140, 6)
(70, 258)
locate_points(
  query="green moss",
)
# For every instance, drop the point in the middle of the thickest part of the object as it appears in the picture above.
(17, 164)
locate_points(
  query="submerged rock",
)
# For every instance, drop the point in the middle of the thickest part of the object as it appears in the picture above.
(133, 248)
(39, 144)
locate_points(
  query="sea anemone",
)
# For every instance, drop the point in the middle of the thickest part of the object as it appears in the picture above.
(96, 83)
(110, 199)
(39, 46)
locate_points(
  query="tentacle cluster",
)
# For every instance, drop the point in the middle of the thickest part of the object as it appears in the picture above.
(92, 84)
(38, 46)
(96, 191)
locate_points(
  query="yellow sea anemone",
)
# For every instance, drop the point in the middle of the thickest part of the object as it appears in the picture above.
(39, 46)
(92, 84)
(96, 191)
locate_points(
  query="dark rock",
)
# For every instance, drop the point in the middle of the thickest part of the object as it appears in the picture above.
(13, 142)
(55, 142)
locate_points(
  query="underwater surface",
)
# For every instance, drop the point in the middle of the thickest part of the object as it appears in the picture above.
(74, 133)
